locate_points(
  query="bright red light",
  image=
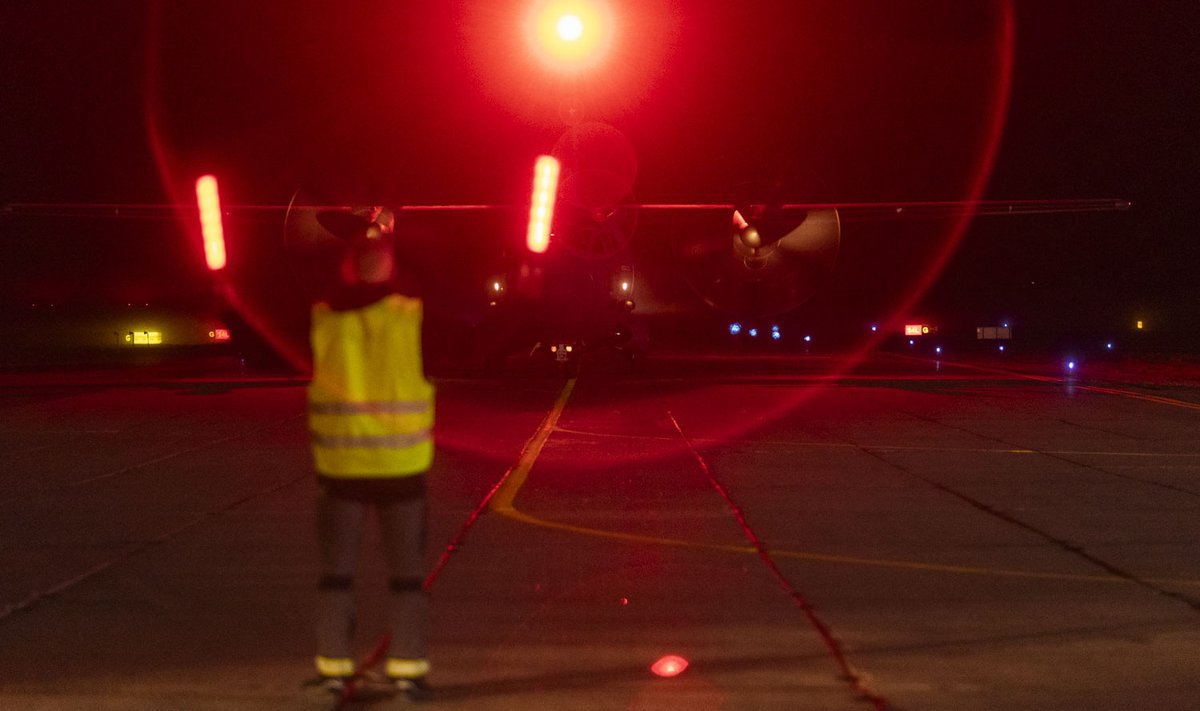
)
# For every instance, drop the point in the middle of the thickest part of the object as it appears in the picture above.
(669, 666)
(570, 35)
(541, 206)
(210, 222)
(219, 334)
(570, 28)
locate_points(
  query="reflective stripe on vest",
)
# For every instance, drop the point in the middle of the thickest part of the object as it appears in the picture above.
(370, 408)
(392, 441)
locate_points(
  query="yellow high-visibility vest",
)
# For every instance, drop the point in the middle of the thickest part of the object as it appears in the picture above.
(370, 408)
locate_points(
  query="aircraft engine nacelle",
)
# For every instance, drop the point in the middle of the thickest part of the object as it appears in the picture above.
(766, 269)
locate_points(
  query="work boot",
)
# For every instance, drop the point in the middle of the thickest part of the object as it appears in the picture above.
(414, 688)
(323, 692)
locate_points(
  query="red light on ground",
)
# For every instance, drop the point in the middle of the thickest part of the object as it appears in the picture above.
(570, 35)
(541, 207)
(219, 334)
(669, 666)
(210, 222)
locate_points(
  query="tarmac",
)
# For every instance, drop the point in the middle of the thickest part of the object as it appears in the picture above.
(798, 533)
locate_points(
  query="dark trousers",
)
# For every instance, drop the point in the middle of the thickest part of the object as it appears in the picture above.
(340, 525)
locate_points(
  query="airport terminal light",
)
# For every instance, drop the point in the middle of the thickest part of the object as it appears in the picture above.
(144, 338)
(541, 207)
(209, 202)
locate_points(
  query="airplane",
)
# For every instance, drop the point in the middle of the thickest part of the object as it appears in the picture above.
(596, 283)
(610, 263)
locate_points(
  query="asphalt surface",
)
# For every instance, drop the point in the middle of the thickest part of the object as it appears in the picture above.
(906, 535)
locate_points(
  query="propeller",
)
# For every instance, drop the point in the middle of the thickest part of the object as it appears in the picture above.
(763, 269)
(303, 228)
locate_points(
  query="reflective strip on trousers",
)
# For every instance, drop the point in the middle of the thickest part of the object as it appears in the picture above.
(407, 668)
(335, 666)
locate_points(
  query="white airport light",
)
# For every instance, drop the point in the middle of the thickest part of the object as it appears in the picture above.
(754, 333)
(735, 329)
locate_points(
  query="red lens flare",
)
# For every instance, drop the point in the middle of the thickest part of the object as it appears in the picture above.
(209, 201)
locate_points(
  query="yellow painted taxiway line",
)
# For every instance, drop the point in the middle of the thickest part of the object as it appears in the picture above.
(502, 503)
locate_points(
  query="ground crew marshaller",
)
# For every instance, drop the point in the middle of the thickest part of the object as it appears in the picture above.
(370, 415)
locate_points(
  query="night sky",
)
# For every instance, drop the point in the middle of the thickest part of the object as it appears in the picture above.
(127, 102)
